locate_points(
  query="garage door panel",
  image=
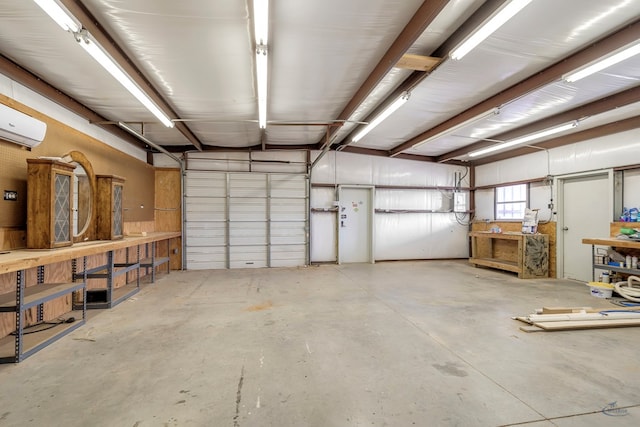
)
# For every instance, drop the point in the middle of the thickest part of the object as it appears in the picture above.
(248, 185)
(288, 233)
(206, 258)
(206, 234)
(206, 209)
(245, 220)
(205, 184)
(288, 256)
(288, 209)
(288, 186)
(248, 209)
(248, 233)
(248, 256)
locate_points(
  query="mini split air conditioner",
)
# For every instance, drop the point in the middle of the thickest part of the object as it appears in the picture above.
(20, 128)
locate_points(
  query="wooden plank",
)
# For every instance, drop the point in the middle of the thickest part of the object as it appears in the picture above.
(608, 241)
(25, 258)
(531, 328)
(496, 263)
(587, 324)
(417, 62)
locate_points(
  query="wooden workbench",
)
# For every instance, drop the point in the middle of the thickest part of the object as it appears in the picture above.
(525, 254)
(22, 259)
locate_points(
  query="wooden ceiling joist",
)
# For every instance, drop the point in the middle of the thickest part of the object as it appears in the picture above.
(418, 62)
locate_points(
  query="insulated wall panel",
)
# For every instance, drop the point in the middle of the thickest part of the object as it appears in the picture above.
(419, 236)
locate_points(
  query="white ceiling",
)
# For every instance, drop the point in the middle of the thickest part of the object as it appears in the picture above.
(198, 56)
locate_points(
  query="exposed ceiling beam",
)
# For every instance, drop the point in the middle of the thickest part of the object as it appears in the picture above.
(596, 132)
(35, 83)
(77, 9)
(599, 106)
(425, 14)
(549, 75)
(414, 79)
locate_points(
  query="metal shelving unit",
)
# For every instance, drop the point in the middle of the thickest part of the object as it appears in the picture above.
(151, 261)
(14, 349)
(109, 296)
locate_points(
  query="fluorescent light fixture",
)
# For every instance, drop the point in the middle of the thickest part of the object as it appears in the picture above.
(524, 139)
(261, 30)
(261, 21)
(487, 28)
(382, 116)
(58, 14)
(262, 69)
(602, 63)
(109, 64)
(479, 117)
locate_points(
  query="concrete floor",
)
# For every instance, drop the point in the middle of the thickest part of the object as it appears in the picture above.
(391, 344)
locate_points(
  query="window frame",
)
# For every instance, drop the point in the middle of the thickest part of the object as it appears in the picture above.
(496, 203)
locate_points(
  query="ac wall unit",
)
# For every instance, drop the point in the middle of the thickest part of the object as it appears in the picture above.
(20, 128)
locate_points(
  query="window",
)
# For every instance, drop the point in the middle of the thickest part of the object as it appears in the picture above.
(511, 201)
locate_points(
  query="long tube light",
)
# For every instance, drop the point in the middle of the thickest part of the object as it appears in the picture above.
(612, 59)
(58, 14)
(262, 70)
(479, 117)
(485, 30)
(108, 64)
(261, 21)
(382, 116)
(525, 139)
(261, 33)
(68, 23)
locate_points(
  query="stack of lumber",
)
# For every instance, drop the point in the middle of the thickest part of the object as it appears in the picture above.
(570, 318)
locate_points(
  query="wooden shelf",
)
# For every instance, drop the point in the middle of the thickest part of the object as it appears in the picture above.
(38, 294)
(22, 259)
(33, 342)
(496, 263)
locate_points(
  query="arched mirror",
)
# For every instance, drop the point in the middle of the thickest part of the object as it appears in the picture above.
(84, 199)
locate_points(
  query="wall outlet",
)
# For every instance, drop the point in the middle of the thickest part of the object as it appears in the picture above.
(11, 195)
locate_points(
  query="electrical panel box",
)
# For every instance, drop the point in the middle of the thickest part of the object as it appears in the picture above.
(459, 202)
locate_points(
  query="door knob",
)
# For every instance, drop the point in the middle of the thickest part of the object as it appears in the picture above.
(565, 228)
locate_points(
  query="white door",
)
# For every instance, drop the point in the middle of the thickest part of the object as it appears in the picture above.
(355, 225)
(585, 213)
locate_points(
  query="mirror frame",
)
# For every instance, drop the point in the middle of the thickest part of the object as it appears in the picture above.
(88, 232)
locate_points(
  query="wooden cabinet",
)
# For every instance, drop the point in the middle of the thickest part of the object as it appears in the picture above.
(49, 204)
(525, 254)
(109, 209)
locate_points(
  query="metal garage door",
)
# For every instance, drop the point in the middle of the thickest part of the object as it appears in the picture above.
(240, 220)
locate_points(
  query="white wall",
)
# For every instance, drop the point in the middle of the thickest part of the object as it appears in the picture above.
(398, 234)
(26, 96)
(602, 153)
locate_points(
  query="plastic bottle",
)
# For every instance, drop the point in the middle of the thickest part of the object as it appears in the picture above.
(634, 262)
(605, 277)
(627, 262)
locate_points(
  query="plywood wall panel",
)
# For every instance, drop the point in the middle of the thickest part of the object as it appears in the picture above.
(168, 200)
(60, 139)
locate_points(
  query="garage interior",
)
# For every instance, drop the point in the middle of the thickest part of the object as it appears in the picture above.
(319, 213)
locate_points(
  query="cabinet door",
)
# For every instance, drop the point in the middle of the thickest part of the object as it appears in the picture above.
(62, 208)
(117, 210)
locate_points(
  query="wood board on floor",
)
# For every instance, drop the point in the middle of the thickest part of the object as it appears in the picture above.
(575, 324)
